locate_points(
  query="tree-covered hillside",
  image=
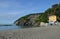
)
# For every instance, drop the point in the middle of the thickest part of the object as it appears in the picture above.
(35, 19)
(54, 10)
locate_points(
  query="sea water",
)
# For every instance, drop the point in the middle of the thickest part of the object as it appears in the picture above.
(9, 27)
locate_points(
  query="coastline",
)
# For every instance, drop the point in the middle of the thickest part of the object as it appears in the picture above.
(50, 32)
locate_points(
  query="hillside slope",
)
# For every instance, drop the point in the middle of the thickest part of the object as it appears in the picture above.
(29, 20)
(35, 19)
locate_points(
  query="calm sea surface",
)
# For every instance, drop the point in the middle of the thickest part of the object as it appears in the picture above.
(9, 27)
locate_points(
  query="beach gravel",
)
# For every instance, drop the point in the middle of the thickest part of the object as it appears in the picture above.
(50, 32)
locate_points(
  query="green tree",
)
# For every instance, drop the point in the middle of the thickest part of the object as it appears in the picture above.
(44, 18)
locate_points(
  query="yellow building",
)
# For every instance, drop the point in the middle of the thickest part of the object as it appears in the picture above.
(52, 18)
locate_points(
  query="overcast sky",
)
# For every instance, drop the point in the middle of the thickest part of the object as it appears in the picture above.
(10, 10)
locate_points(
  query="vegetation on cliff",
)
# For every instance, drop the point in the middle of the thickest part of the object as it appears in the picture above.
(35, 19)
(54, 10)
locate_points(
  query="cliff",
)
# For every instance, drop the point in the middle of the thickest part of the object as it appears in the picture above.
(29, 20)
(37, 18)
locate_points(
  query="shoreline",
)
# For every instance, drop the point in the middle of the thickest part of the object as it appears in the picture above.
(50, 32)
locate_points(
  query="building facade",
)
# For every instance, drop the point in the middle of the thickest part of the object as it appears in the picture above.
(52, 19)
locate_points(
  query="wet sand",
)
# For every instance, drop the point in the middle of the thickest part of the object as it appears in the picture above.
(50, 32)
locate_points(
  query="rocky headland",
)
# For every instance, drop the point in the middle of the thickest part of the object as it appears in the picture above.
(36, 18)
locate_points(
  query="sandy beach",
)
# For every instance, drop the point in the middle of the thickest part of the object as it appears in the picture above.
(50, 32)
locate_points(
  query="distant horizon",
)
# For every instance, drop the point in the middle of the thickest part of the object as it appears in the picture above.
(11, 10)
